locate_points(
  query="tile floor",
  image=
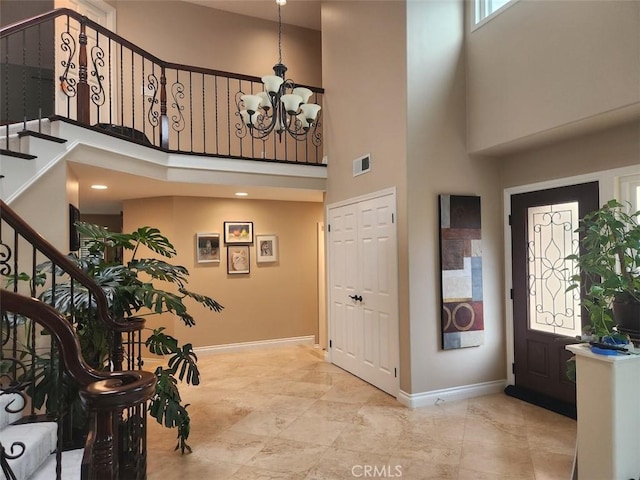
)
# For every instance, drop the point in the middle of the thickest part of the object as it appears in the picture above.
(285, 414)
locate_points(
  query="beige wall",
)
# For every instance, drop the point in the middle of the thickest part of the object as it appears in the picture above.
(274, 301)
(112, 222)
(438, 163)
(48, 198)
(612, 148)
(364, 73)
(189, 34)
(540, 65)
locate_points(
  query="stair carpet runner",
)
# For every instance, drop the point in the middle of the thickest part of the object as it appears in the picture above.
(38, 462)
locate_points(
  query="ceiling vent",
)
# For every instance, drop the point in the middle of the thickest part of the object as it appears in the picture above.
(362, 165)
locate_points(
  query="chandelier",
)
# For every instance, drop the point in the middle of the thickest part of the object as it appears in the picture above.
(281, 107)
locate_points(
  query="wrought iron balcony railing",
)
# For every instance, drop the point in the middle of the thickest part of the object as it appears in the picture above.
(64, 65)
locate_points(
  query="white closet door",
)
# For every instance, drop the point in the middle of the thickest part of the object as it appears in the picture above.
(363, 288)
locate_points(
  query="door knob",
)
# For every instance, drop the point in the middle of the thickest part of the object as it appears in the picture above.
(357, 298)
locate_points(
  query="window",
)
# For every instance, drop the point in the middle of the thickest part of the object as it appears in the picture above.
(551, 238)
(486, 8)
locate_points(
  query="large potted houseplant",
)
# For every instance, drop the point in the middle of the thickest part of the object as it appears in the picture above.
(609, 263)
(141, 286)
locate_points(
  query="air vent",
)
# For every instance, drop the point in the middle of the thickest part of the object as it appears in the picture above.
(362, 165)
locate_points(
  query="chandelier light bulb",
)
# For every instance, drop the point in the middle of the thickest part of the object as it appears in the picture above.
(291, 103)
(303, 92)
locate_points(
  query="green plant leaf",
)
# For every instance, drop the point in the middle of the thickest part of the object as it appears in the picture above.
(160, 270)
(154, 240)
(160, 343)
(208, 302)
(184, 363)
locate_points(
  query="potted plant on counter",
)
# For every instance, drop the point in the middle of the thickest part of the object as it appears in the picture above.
(609, 263)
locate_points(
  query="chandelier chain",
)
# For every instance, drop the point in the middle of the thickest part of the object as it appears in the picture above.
(279, 36)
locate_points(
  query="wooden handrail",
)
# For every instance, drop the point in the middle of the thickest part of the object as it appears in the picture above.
(64, 263)
(105, 394)
(112, 389)
(38, 19)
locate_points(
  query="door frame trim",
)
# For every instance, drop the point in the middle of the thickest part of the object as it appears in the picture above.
(350, 201)
(609, 186)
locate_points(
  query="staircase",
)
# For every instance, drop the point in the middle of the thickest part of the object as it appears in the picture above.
(32, 444)
(43, 373)
(27, 150)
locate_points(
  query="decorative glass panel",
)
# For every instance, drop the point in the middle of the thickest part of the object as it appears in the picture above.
(551, 238)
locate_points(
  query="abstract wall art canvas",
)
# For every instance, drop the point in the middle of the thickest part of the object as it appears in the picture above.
(461, 268)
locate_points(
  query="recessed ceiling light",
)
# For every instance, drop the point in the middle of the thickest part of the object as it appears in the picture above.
(241, 194)
(99, 187)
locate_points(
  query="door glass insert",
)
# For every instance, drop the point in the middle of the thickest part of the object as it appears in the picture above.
(551, 237)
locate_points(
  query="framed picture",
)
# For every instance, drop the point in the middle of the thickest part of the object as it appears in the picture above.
(266, 248)
(208, 247)
(238, 259)
(74, 235)
(238, 232)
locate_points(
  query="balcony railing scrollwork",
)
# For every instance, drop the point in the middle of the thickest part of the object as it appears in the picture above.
(80, 71)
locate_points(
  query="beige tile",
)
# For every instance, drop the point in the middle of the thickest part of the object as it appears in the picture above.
(323, 378)
(285, 414)
(348, 393)
(263, 423)
(163, 467)
(482, 429)
(209, 419)
(338, 464)
(383, 399)
(467, 474)
(288, 456)
(551, 466)
(313, 430)
(429, 447)
(333, 411)
(366, 439)
(231, 447)
(242, 399)
(451, 427)
(497, 459)
(391, 420)
(287, 404)
(421, 470)
(556, 438)
(252, 473)
(444, 409)
(498, 407)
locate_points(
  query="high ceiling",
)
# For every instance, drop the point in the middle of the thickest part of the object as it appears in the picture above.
(303, 13)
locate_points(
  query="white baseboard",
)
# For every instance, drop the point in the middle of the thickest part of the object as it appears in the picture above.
(436, 397)
(237, 347)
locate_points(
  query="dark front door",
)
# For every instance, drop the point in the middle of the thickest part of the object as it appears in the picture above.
(545, 316)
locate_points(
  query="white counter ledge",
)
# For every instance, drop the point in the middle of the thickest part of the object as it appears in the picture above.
(608, 404)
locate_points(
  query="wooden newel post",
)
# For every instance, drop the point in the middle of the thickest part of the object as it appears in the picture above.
(83, 85)
(164, 121)
(104, 461)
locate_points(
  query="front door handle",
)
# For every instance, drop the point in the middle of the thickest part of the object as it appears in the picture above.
(357, 298)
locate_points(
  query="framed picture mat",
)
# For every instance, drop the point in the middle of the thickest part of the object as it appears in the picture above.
(266, 248)
(207, 247)
(238, 259)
